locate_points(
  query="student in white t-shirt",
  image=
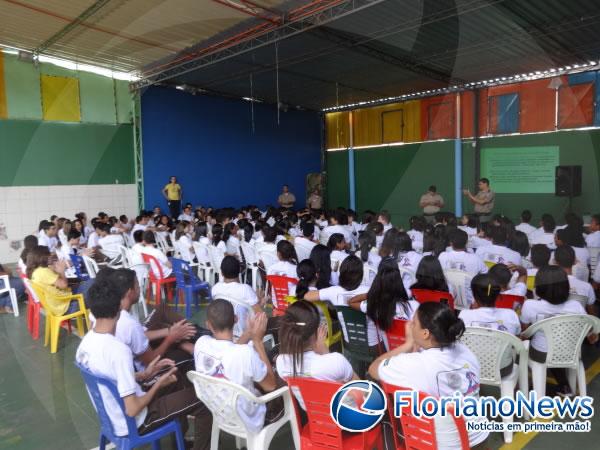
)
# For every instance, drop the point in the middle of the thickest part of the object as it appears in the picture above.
(417, 226)
(377, 229)
(441, 367)
(502, 275)
(232, 242)
(552, 288)
(217, 239)
(458, 258)
(104, 355)
(231, 287)
(354, 227)
(544, 234)
(286, 265)
(183, 241)
(593, 239)
(150, 249)
(109, 243)
(385, 219)
(303, 348)
(337, 246)
(469, 224)
(368, 252)
(485, 290)
(498, 252)
(407, 258)
(305, 243)
(386, 300)
(337, 224)
(430, 277)
(186, 215)
(525, 226)
(564, 255)
(244, 363)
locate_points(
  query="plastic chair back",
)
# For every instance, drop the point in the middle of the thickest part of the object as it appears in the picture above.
(125, 257)
(509, 301)
(90, 266)
(564, 335)
(426, 295)
(242, 311)
(462, 284)
(155, 267)
(489, 346)
(179, 272)
(201, 251)
(581, 299)
(369, 273)
(280, 289)
(418, 432)
(11, 293)
(594, 252)
(268, 258)
(216, 257)
(303, 251)
(396, 335)
(250, 254)
(30, 290)
(316, 395)
(129, 242)
(79, 266)
(355, 331)
(581, 272)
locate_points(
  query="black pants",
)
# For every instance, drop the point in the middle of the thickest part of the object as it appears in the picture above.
(174, 208)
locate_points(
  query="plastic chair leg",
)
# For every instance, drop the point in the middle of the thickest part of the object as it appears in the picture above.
(179, 438)
(47, 330)
(156, 444)
(80, 329)
(36, 322)
(55, 331)
(103, 442)
(214, 436)
(507, 390)
(581, 381)
(538, 377)
(187, 299)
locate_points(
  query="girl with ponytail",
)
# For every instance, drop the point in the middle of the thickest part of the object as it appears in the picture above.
(217, 238)
(303, 351)
(433, 361)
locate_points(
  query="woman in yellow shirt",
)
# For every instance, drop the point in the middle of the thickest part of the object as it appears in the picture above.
(52, 278)
(173, 194)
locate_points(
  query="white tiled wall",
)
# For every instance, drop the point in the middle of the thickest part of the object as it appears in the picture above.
(22, 208)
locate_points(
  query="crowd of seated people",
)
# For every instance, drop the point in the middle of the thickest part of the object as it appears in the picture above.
(372, 266)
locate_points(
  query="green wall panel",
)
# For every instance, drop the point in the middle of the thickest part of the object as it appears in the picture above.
(36, 153)
(123, 101)
(394, 178)
(57, 71)
(23, 96)
(97, 98)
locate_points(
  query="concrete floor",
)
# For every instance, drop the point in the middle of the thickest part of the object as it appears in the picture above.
(44, 405)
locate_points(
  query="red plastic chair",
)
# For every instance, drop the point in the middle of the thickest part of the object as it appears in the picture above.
(418, 432)
(425, 295)
(159, 281)
(509, 301)
(396, 335)
(33, 309)
(281, 290)
(321, 432)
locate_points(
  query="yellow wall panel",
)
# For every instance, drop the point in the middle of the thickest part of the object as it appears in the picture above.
(3, 108)
(337, 129)
(60, 98)
(412, 121)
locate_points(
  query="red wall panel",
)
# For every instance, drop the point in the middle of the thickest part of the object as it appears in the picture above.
(576, 105)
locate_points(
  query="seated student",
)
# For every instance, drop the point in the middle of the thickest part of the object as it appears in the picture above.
(150, 249)
(64, 229)
(305, 243)
(232, 242)
(525, 226)
(386, 300)
(92, 239)
(51, 276)
(468, 224)
(319, 255)
(337, 224)
(458, 258)
(303, 348)
(165, 334)
(307, 278)
(268, 244)
(141, 223)
(163, 225)
(483, 236)
(593, 239)
(186, 214)
(552, 288)
(170, 397)
(15, 283)
(565, 259)
(337, 246)
(183, 241)
(520, 244)
(240, 363)
(430, 276)
(407, 258)
(231, 287)
(544, 234)
(217, 238)
(29, 242)
(124, 224)
(77, 225)
(368, 250)
(498, 252)
(540, 257)
(47, 235)
(354, 227)
(441, 367)
(417, 226)
(485, 292)
(502, 275)
(573, 237)
(385, 219)
(109, 243)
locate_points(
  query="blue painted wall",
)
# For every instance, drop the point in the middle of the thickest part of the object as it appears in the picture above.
(207, 142)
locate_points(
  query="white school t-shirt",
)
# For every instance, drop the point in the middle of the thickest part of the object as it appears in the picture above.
(541, 237)
(332, 229)
(535, 310)
(184, 245)
(373, 335)
(461, 260)
(593, 239)
(233, 246)
(519, 289)
(499, 254)
(338, 256)
(303, 247)
(439, 373)
(92, 240)
(596, 274)
(138, 226)
(106, 356)
(287, 269)
(328, 367)
(525, 228)
(161, 258)
(240, 292)
(109, 245)
(578, 287)
(409, 260)
(239, 364)
(338, 296)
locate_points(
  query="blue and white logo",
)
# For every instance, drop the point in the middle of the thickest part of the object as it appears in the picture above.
(351, 415)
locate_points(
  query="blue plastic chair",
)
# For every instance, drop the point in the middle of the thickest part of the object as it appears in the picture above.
(187, 281)
(134, 439)
(79, 266)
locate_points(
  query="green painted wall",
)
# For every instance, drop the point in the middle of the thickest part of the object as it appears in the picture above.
(394, 178)
(37, 153)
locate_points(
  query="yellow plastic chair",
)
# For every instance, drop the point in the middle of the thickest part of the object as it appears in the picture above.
(489, 264)
(331, 337)
(531, 282)
(53, 322)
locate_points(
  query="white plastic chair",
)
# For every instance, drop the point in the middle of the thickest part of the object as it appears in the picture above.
(221, 397)
(91, 266)
(12, 294)
(462, 286)
(564, 336)
(302, 251)
(162, 244)
(203, 258)
(129, 242)
(268, 258)
(581, 272)
(594, 253)
(251, 257)
(582, 299)
(216, 258)
(489, 346)
(369, 273)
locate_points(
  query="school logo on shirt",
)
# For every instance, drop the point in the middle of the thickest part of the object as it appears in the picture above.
(349, 415)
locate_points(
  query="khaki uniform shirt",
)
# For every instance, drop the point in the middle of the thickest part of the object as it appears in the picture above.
(287, 200)
(429, 198)
(486, 207)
